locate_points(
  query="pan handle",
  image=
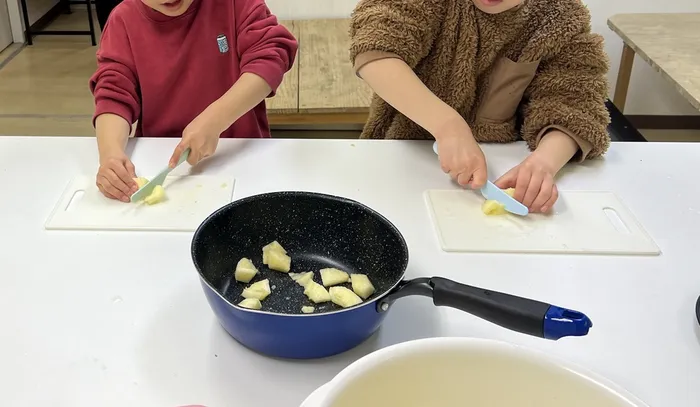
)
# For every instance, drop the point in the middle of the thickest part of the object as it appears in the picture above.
(515, 313)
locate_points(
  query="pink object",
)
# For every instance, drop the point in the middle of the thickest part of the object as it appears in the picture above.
(164, 71)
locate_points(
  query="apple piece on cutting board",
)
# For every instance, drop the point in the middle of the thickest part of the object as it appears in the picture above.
(493, 207)
(156, 196)
(141, 181)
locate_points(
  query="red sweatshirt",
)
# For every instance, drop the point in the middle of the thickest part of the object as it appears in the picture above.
(164, 71)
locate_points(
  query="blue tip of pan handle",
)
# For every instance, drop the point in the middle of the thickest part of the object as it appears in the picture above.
(560, 322)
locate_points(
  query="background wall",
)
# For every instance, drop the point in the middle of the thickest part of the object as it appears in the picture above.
(649, 94)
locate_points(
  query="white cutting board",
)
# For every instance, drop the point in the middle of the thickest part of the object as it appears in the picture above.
(581, 223)
(190, 200)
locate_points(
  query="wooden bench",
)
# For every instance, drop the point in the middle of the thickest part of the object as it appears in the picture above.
(321, 88)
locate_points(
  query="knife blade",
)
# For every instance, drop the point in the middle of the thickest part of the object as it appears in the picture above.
(159, 179)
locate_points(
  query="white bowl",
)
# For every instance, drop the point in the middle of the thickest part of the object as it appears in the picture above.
(464, 372)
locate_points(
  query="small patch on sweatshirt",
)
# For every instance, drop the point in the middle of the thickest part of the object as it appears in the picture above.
(222, 42)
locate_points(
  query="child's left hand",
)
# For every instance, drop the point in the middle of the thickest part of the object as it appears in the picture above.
(201, 136)
(533, 180)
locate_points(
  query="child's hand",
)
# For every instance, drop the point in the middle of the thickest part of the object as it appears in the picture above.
(533, 180)
(115, 177)
(460, 155)
(201, 136)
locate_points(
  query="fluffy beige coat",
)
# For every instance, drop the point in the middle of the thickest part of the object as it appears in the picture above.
(512, 75)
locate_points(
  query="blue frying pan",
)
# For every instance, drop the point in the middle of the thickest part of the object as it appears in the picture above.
(320, 231)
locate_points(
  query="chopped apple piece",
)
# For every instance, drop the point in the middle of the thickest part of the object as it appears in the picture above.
(307, 310)
(492, 207)
(344, 297)
(276, 246)
(141, 181)
(156, 196)
(333, 276)
(302, 278)
(362, 286)
(316, 292)
(245, 270)
(279, 261)
(259, 290)
(251, 303)
(272, 247)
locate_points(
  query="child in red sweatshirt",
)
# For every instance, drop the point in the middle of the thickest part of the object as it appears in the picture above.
(196, 69)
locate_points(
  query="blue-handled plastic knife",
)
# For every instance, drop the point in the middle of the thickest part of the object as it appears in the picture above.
(159, 179)
(491, 191)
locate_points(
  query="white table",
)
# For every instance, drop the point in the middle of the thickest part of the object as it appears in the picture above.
(88, 322)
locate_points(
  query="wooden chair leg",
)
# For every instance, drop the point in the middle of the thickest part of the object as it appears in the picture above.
(91, 22)
(623, 78)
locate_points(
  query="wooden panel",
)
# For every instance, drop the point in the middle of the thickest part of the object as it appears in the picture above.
(359, 118)
(669, 43)
(286, 100)
(327, 81)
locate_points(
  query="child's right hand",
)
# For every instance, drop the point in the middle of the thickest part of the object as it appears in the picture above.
(460, 155)
(115, 177)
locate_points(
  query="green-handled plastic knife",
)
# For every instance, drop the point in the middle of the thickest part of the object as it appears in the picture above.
(146, 190)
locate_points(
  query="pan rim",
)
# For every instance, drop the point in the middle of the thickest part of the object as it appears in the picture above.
(341, 199)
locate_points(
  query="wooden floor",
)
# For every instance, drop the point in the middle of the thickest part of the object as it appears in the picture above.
(44, 89)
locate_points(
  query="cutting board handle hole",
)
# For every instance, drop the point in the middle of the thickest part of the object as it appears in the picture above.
(616, 221)
(77, 196)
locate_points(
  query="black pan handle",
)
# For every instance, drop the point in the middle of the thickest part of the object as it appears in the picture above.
(515, 313)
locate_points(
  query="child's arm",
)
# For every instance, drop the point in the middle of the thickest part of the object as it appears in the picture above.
(267, 51)
(460, 155)
(565, 118)
(115, 177)
(389, 39)
(117, 105)
(568, 96)
(202, 134)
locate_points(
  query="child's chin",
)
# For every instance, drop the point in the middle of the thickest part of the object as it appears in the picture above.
(175, 11)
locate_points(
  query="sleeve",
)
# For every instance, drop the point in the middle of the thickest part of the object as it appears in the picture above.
(115, 85)
(265, 47)
(568, 94)
(404, 29)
